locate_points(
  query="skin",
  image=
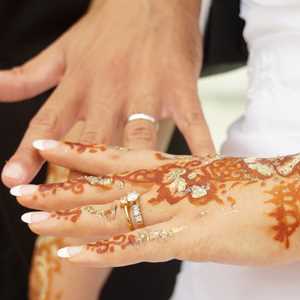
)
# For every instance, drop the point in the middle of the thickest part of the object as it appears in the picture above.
(50, 276)
(248, 211)
(122, 57)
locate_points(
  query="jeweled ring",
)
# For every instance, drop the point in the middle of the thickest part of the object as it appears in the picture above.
(142, 116)
(132, 210)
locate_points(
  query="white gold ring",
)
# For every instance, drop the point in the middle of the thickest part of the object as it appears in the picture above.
(141, 116)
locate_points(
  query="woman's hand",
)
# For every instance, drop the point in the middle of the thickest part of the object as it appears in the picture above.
(229, 210)
(123, 57)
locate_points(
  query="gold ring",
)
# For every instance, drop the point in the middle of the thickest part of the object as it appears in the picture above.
(125, 207)
(132, 210)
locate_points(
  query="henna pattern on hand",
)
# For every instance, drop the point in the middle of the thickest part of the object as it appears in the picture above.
(105, 246)
(91, 148)
(204, 181)
(72, 215)
(286, 199)
(107, 214)
(45, 266)
(135, 240)
(76, 186)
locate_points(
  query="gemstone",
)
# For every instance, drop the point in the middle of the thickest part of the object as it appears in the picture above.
(132, 197)
(136, 210)
(138, 219)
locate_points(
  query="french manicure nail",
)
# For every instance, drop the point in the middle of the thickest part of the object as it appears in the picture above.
(14, 170)
(35, 217)
(68, 252)
(45, 144)
(23, 190)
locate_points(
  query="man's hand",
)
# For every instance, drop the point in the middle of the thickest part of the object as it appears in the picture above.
(122, 57)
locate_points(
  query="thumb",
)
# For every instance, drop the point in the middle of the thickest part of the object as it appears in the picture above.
(34, 77)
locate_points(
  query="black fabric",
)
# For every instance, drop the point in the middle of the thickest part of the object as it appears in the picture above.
(27, 27)
(224, 46)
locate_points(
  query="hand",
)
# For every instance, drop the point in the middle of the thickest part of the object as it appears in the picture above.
(122, 57)
(229, 210)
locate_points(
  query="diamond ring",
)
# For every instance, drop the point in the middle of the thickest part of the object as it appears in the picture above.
(132, 210)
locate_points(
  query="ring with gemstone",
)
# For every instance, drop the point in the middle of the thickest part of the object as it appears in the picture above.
(132, 210)
(136, 212)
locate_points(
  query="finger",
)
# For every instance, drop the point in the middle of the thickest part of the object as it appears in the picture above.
(52, 121)
(141, 134)
(153, 244)
(98, 159)
(74, 193)
(190, 120)
(95, 221)
(101, 125)
(34, 77)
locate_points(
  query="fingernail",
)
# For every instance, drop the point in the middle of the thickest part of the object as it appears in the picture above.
(45, 144)
(14, 170)
(35, 217)
(23, 190)
(68, 252)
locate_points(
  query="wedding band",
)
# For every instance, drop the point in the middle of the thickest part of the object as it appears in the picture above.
(137, 215)
(141, 116)
(132, 210)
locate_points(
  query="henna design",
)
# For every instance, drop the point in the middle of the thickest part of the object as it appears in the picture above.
(104, 246)
(136, 240)
(75, 185)
(286, 199)
(69, 215)
(156, 235)
(108, 214)
(81, 148)
(45, 266)
(204, 181)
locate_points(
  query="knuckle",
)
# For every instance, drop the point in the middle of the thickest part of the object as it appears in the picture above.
(19, 73)
(142, 132)
(89, 136)
(45, 121)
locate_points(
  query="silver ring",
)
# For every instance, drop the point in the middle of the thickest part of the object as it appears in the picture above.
(141, 116)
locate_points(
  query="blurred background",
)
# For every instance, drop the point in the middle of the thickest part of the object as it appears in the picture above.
(223, 98)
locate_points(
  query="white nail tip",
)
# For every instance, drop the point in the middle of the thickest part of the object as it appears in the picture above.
(23, 190)
(35, 217)
(26, 218)
(16, 191)
(44, 144)
(68, 252)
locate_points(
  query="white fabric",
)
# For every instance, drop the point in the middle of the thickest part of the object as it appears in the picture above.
(270, 126)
